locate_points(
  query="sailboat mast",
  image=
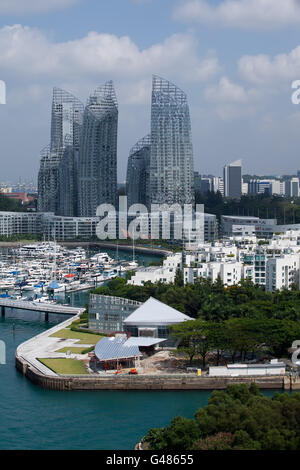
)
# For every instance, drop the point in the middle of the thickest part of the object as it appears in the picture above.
(54, 267)
(133, 252)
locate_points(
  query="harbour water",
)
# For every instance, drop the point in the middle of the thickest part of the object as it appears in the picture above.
(34, 418)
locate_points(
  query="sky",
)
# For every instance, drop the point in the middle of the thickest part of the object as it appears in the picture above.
(235, 59)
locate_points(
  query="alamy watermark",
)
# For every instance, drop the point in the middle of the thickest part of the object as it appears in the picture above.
(296, 353)
(2, 353)
(2, 92)
(162, 222)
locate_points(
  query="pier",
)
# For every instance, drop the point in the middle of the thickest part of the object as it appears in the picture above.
(36, 306)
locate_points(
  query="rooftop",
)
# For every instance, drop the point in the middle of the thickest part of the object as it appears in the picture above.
(154, 312)
(115, 347)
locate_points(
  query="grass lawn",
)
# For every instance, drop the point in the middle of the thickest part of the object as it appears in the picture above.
(74, 350)
(65, 366)
(85, 338)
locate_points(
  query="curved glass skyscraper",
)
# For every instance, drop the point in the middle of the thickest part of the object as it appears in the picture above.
(66, 120)
(138, 173)
(57, 181)
(98, 151)
(48, 180)
(171, 162)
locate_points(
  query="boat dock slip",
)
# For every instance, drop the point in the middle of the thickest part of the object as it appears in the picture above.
(39, 307)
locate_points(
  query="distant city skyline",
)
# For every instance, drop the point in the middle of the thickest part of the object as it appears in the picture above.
(237, 74)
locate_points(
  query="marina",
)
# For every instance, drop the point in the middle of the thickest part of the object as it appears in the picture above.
(103, 420)
(41, 271)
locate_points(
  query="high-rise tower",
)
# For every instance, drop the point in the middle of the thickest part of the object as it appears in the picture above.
(233, 180)
(57, 181)
(66, 120)
(137, 182)
(98, 151)
(171, 162)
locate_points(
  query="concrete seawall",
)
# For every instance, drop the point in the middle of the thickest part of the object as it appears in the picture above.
(95, 244)
(164, 382)
(30, 367)
(112, 246)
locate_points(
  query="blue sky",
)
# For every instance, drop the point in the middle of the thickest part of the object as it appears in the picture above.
(235, 59)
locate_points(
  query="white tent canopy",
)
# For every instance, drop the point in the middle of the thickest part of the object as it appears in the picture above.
(153, 312)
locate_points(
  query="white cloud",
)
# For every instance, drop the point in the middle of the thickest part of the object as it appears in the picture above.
(27, 51)
(8, 7)
(32, 63)
(226, 91)
(231, 100)
(242, 14)
(266, 70)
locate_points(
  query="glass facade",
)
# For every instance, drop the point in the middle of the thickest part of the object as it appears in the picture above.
(98, 152)
(154, 331)
(66, 120)
(48, 180)
(57, 181)
(107, 313)
(137, 181)
(171, 162)
(68, 182)
(233, 180)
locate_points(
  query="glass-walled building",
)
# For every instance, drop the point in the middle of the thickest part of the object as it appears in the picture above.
(107, 313)
(68, 182)
(233, 180)
(57, 180)
(154, 319)
(66, 120)
(137, 181)
(48, 180)
(171, 162)
(98, 152)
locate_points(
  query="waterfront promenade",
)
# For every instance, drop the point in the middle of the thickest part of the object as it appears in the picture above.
(37, 306)
(46, 346)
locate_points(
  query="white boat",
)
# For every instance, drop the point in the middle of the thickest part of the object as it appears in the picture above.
(102, 258)
(44, 300)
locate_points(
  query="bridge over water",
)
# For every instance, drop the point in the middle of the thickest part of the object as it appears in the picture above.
(41, 307)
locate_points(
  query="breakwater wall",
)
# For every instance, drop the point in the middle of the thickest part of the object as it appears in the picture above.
(122, 247)
(95, 244)
(150, 382)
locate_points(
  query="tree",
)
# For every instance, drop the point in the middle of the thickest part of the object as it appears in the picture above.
(238, 418)
(179, 278)
(180, 435)
(195, 339)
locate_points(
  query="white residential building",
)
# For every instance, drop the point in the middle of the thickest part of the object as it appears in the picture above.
(278, 187)
(165, 273)
(218, 184)
(245, 188)
(230, 273)
(282, 273)
(247, 226)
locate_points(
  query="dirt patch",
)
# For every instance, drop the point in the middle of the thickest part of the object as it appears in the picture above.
(162, 361)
